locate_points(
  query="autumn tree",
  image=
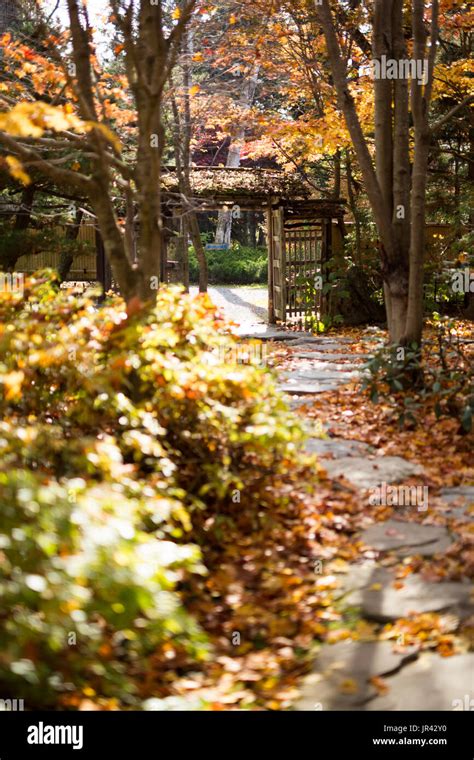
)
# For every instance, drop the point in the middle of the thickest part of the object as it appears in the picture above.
(149, 36)
(228, 75)
(396, 184)
(452, 161)
(180, 93)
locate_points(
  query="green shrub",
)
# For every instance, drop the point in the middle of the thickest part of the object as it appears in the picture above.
(119, 431)
(86, 592)
(238, 266)
(442, 376)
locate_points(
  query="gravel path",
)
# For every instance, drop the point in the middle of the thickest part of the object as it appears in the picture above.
(242, 304)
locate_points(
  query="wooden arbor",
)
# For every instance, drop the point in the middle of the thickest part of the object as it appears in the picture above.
(298, 228)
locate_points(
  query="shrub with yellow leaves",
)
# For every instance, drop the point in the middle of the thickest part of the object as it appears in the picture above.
(119, 427)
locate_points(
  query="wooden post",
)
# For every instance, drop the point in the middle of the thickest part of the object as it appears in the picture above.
(184, 233)
(179, 274)
(104, 272)
(282, 257)
(270, 247)
(329, 239)
(164, 259)
(326, 253)
(277, 258)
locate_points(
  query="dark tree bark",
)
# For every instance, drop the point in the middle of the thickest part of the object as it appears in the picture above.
(354, 209)
(23, 216)
(182, 131)
(66, 257)
(396, 198)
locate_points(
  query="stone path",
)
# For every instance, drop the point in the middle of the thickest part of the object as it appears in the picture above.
(320, 364)
(370, 473)
(342, 673)
(342, 680)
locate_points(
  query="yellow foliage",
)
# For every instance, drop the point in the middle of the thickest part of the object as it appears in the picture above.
(15, 167)
(12, 382)
(110, 136)
(454, 80)
(33, 119)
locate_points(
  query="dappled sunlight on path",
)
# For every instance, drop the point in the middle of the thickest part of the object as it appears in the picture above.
(244, 305)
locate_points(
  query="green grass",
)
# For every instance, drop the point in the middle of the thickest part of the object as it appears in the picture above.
(238, 266)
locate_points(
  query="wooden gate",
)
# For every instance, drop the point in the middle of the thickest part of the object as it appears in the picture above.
(276, 265)
(298, 250)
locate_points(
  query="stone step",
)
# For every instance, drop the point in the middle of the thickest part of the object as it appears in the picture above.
(461, 502)
(319, 345)
(406, 538)
(329, 357)
(370, 473)
(372, 588)
(337, 447)
(317, 365)
(341, 679)
(314, 381)
(431, 683)
(266, 332)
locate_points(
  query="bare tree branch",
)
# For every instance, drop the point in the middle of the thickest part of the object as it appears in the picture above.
(442, 121)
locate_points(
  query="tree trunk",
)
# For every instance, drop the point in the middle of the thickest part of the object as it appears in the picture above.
(414, 319)
(67, 257)
(252, 227)
(127, 278)
(336, 190)
(130, 226)
(354, 210)
(420, 101)
(23, 216)
(21, 224)
(469, 300)
(182, 132)
(401, 228)
(224, 222)
(151, 44)
(147, 175)
(199, 251)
